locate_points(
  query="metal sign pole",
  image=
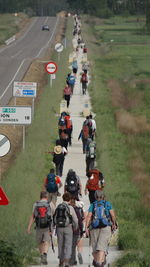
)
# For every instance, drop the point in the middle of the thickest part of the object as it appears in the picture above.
(65, 42)
(58, 56)
(51, 81)
(32, 107)
(15, 105)
(23, 146)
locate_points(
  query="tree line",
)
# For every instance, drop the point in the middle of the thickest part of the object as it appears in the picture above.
(100, 8)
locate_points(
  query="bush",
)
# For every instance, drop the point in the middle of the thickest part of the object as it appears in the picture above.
(8, 256)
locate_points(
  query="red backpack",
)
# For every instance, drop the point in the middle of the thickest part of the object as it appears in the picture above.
(67, 90)
(85, 131)
(94, 179)
(84, 78)
(68, 122)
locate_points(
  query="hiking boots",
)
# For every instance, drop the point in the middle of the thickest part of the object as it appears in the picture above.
(80, 258)
(44, 259)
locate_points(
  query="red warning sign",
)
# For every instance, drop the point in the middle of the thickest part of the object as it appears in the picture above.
(3, 198)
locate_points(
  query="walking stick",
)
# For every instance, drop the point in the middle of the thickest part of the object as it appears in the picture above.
(89, 252)
(52, 243)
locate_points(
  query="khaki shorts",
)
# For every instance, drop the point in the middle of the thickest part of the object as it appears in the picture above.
(42, 235)
(100, 238)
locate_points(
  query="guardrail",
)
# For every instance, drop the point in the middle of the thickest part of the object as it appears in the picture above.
(10, 40)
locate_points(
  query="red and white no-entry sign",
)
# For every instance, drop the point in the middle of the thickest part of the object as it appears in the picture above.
(3, 198)
(51, 67)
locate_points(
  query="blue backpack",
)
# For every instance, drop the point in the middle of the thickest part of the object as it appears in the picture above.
(100, 218)
(71, 79)
(51, 186)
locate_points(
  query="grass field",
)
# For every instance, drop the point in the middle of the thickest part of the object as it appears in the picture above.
(10, 25)
(24, 180)
(120, 97)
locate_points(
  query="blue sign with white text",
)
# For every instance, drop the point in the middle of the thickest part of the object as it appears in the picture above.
(28, 92)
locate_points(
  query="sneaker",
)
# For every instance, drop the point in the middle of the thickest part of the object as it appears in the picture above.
(80, 258)
(44, 259)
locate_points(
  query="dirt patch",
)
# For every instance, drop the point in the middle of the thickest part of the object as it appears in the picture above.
(142, 179)
(130, 124)
(36, 72)
(119, 97)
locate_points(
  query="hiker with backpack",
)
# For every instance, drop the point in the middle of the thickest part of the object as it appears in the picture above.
(59, 157)
(84, 81)
(52, 183)
(65, 220)
(42, 215)
(62, 122)
(73, 184)
(74, 66)
(64, 138)
(78, 233)
(100, 223)
(69, 128)
(67, 92)
(95, 182)
(93, 133)
(70, 80)
(90, 151)
(85, 132)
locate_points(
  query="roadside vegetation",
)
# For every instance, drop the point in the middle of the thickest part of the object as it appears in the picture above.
(10, 25)
(23, 181)
(120, 95)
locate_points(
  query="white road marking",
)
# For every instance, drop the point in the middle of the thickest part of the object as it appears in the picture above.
(45, 46)
(13, 77)
(6, 47)
(46, 20)
(16, 54)
(28, 58)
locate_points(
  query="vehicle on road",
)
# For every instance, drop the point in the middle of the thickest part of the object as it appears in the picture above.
(45, 28)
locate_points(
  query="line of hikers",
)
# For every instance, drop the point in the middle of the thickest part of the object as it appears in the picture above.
(69, 219)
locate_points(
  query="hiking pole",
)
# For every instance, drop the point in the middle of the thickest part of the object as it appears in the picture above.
(52, 243)
(89, 252)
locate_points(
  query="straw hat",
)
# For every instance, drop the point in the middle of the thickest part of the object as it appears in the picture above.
(57, 149)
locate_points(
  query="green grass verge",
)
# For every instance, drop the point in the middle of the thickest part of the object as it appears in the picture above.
(24, 180)
(113, 150)
(10, 25)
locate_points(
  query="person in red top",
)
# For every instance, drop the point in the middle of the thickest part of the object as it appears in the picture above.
(69, 127)
(67, 94)
(52, 183)
(95, 182)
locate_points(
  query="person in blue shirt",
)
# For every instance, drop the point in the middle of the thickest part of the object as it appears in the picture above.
(71, 81)
(100, 236)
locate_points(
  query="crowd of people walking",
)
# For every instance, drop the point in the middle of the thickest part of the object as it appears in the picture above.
(69, 219)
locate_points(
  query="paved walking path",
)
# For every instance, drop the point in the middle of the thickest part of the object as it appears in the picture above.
(76, 160)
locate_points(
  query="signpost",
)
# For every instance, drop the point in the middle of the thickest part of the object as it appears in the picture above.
(16, 115)
(4, 145)
(59, 48)
(25, 89)
(3, 198)
(51, 68)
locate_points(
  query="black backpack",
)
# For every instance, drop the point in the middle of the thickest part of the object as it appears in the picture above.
(72, 184)
(57, 158)
(42, 214)
(62, 216)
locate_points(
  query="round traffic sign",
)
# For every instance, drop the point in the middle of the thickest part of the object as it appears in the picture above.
(51, 67)
(4, 145)
(59, 47)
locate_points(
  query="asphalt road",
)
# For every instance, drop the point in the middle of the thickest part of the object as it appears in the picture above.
(17, 56)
